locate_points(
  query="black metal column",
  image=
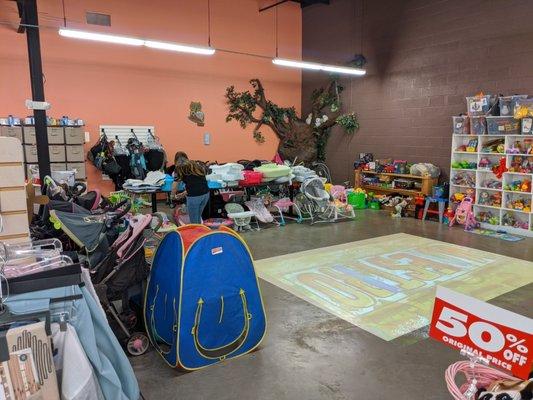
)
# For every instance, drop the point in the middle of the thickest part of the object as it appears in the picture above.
(31, 22)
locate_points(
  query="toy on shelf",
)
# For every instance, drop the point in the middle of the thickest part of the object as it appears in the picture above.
(515, 148)
(519, 203)
(484, 163)
(492, 184)
(478, 125)
(496, 199)
(464, 179)
(457, 197)
(464, 164)
(521, 164)
(509, 219)
(488, 199)
(518, 185)
(461, 125)
(400, 166)
(494, 146)
(464, 215)
(471, 147)
(484, 198)
(500, 168)
(487, 217)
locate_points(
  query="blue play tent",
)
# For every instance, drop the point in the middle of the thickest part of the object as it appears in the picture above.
(203, 304)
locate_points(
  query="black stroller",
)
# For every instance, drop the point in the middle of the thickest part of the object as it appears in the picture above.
(117, 265)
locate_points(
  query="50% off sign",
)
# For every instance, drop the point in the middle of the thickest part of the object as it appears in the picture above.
(502, 337)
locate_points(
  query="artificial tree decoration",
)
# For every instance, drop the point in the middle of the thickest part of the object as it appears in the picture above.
(301, 139)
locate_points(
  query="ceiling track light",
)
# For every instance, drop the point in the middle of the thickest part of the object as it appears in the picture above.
(130, 41)
(319, 67)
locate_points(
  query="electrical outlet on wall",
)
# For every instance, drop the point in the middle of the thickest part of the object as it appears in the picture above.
(207, 138)
(87, 137)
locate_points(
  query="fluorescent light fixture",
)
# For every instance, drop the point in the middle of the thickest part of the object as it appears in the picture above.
(296, 64)
(102, 37)
(318, 67)
(179, 47)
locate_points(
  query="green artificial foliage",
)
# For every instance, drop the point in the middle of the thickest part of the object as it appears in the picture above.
(349, 122)
(299, 138)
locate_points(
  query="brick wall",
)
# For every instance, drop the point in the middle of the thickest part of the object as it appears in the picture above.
(424, 57)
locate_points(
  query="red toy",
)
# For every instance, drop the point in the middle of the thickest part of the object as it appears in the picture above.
(500, 168)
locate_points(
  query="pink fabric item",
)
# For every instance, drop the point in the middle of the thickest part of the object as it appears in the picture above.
(227, 196)
(136, 227)
(277, 159)
(97, 199)
(284, 203)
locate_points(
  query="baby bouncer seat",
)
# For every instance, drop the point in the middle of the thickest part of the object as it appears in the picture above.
(239, 216)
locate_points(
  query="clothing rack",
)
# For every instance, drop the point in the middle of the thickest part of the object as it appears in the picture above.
(125, 132)
(59, 277)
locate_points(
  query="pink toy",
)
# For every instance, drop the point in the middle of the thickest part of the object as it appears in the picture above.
(338, 192)
(464, 215)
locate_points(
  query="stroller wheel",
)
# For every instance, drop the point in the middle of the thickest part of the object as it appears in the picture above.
(138, 344)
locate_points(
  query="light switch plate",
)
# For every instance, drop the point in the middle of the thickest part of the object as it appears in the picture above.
(207, 138)
(87, 137)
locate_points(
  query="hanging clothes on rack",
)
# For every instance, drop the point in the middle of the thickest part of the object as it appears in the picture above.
(137, 160)
(122, 156)
(156, 157)
(76, 376)
(57, 290)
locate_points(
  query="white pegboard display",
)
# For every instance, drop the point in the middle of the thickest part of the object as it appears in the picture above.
(124, 132)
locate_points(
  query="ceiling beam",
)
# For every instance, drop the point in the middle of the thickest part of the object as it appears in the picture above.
(277, 3)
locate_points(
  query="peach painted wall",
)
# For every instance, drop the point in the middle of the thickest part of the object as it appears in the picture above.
(106, 84)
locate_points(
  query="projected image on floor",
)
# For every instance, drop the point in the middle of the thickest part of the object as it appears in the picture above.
(386, 285)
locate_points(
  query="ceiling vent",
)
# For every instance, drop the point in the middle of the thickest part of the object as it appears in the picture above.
(98, 19)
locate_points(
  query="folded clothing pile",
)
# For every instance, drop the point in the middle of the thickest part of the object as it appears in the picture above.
(226, 174)
(275, 172)
(154, 181)
(302, 173)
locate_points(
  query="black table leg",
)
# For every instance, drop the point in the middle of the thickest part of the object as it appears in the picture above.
(154, 202)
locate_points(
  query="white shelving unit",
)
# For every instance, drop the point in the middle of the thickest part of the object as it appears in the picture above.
(479, 178)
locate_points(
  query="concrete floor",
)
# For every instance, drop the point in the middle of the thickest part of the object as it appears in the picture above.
(310, 354)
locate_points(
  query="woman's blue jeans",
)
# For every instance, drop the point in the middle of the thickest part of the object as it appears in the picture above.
(195, 207)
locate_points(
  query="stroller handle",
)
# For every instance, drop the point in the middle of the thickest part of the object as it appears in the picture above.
(125, 210)
(113, 216)
(78, 189)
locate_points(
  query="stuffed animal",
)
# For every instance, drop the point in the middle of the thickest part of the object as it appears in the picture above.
(500, 168)
(464, 215)
(507, 390)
